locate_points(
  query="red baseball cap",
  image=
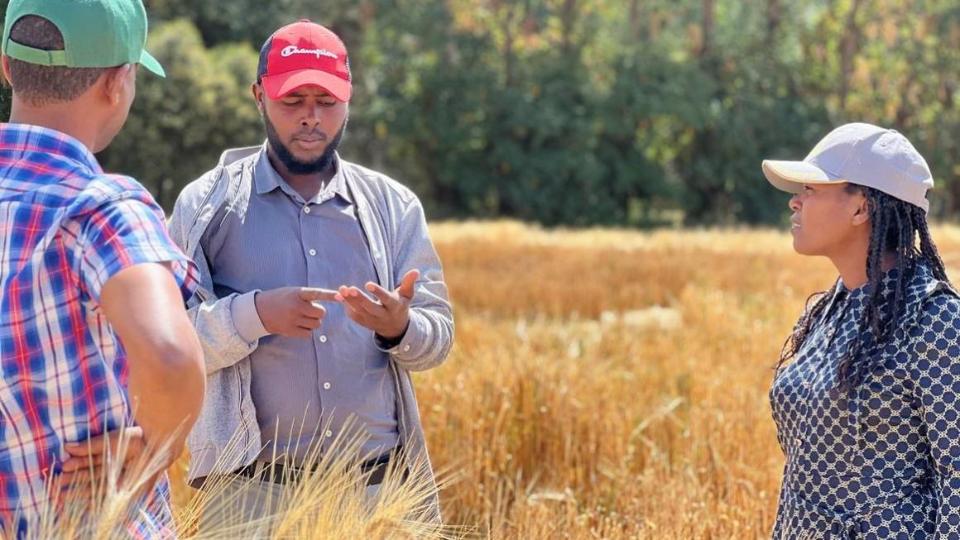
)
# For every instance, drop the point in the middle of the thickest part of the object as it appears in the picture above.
(304, 53)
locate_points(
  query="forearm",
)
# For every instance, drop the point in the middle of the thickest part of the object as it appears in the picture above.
(229, 329)
(166, 387)
(164, 358)
(429, 335)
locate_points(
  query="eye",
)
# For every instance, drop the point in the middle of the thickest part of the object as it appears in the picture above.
(292, 102)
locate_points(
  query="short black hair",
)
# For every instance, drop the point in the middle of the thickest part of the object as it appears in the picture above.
(41, 85)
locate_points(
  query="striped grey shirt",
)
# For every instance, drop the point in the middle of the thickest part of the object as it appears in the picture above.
(305, 391)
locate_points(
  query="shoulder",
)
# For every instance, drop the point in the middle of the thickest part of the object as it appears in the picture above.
(231, 162)
(940, 306)
(932, 299)
(111, 190)
(379, 185)
(935, 334)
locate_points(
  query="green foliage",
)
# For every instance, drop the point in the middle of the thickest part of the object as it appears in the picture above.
(579, 112)
(179, 125)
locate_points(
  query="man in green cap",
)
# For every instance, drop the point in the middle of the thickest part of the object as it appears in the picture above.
(96, 350)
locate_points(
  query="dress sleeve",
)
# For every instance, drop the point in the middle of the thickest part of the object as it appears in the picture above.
(936, 376)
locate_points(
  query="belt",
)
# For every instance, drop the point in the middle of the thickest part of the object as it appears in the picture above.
(278, 473)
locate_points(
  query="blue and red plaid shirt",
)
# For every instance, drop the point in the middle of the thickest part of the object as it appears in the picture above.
(66, 228)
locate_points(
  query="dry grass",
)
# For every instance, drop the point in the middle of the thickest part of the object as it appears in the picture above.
(613, 384)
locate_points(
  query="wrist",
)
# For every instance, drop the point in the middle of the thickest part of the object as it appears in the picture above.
(389, 342)
(246, 316)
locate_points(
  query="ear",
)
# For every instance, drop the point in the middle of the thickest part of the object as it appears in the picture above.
(6, 69)
(257, 92)
(861, 214)
(113, 80)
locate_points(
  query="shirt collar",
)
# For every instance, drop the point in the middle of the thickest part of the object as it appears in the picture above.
(268, 179)
(29, 138)
(859, 296)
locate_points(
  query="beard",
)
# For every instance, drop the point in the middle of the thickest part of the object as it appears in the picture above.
(294, 164)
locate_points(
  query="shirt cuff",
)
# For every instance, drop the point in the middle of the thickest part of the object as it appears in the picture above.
(388, 344)
(245, 317)
(411, 345)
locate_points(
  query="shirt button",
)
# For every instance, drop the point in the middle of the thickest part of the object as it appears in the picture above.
(326, 386)
(328, 434)
(406, 348)
(306, 209)
(313, 252)
(323, 339)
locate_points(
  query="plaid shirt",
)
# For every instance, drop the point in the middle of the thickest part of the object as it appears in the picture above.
(67, 228)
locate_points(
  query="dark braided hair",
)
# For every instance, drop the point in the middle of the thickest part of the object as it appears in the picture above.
(895, 228)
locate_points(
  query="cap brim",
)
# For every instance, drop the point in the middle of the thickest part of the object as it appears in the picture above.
(148, 61)
(282, 84)
(790, 176)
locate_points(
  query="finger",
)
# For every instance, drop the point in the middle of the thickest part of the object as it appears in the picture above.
(82, 463)
(135, 444)
(313, 310)
(364, 305)
(309, 324)
(91, 447)
(408, 283)
(311, 294)
(359, 317)
(128, 440)
(300, 333)
(346, 292)
(69, 480)
(80, 483)
(388, 299)
(83, 496)
(354, 293)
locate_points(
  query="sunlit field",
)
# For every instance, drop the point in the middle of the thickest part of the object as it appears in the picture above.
(612, 384)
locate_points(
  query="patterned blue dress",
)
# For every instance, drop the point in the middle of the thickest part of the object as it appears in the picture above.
(881, 460)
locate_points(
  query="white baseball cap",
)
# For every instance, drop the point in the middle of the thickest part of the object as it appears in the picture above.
(861, 154)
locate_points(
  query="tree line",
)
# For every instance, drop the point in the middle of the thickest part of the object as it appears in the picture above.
(567, 112)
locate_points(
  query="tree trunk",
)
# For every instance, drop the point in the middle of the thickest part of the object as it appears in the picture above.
(708, 15)
(636, 27)
(568, 20)
(774, 16)
(509, 28)
(849, 47)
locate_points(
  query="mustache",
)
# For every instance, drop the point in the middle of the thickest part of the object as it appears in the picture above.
(312, 134)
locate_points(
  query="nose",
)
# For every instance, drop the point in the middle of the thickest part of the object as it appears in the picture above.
(312, 117)
(794, 203)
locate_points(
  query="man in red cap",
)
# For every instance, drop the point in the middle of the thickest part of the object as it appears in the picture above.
(320, 292)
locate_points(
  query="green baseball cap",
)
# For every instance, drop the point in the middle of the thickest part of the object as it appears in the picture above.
(96, 33)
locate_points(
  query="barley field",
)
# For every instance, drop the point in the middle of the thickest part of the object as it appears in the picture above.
(613, 384)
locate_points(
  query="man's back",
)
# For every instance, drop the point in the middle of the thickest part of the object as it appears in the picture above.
(65, 229)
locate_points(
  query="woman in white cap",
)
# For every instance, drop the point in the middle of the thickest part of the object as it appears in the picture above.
(866, 396)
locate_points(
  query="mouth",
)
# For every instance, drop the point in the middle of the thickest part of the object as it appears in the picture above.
(309, 143)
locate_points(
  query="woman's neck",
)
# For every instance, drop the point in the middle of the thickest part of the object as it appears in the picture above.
(853, 269)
